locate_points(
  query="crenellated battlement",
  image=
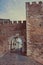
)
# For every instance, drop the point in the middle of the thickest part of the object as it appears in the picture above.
(34, 3)
(34, 8)
(19, 21)
(8, 21)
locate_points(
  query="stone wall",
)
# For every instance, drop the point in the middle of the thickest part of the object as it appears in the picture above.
(34, 26)
(9, 29)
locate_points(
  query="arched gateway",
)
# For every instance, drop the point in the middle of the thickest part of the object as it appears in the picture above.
(17, 44)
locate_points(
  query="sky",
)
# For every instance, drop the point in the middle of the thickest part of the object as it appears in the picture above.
(13, 9)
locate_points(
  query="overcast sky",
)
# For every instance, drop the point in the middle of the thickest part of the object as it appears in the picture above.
(13, 9)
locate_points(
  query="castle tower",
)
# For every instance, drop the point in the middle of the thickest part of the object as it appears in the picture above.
(34, 25)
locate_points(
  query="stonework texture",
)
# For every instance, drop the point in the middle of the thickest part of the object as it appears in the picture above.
(8, 30)
(34, 26)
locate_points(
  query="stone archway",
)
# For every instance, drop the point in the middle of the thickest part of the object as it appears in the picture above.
(16, 44)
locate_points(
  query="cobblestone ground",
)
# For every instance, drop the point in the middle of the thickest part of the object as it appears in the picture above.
(15, 59)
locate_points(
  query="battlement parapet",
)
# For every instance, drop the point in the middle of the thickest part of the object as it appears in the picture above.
(3, 21)
(8, 21)
(34, 3)
(19, 22)
(34, 8)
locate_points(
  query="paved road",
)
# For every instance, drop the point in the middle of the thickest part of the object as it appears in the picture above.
(15, 59)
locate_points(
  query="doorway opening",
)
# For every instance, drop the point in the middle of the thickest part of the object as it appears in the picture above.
(17, 45)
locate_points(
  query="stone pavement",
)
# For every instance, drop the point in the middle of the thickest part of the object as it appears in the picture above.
(15, 59)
